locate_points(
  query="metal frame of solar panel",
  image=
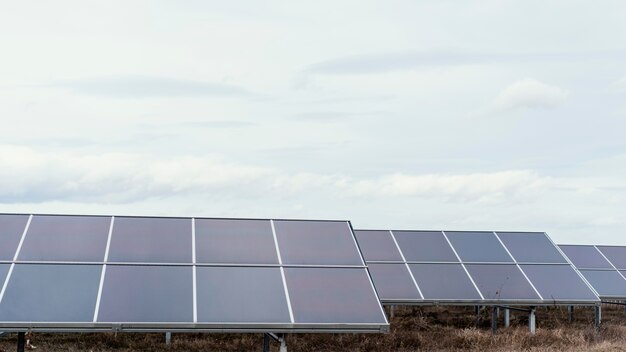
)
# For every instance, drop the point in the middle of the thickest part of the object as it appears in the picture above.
(604, 267)
(145, 274)
(483, 268)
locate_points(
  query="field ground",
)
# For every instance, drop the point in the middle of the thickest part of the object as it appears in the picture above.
(412, 329)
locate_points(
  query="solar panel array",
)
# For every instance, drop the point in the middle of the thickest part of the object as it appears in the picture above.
(75, 273)
(604, 267)
(456, 267)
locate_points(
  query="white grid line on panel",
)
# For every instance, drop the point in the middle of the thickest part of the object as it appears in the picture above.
(282, 271)
(17, 252)
(194, 271)
(463, 265)
(104, 269)
(518, 266)
(393, 237)
(610, 262)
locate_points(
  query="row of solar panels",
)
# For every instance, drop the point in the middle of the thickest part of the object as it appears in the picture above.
(76, 273)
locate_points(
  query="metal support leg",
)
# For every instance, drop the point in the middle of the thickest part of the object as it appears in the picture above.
(477, 310)
(283, 344)
(507, 317)
(532, 327)
(391, 309)
(168, 338)
(494, 320)
(624, 307)
(598, 316)
(21, 341)
(570, 313)
(266, 343)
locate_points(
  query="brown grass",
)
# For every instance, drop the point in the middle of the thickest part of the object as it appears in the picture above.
(412, 329)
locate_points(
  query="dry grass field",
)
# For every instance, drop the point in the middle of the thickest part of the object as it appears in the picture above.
(412, 329)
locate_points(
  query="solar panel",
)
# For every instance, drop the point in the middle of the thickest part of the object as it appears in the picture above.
(471, 267)
(615, 254)
(11, 229)
(599, 266)
(80, 273)
(444, 282)
(586, 257)
(394, 282)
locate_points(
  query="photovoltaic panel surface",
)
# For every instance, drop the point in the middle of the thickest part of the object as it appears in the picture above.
(80, 273)
(599, 265)
(466, 267)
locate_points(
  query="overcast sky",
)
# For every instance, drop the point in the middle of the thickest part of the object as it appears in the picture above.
(492, 115)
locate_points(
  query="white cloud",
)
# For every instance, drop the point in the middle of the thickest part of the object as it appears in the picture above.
(530, 93)
(481, 187)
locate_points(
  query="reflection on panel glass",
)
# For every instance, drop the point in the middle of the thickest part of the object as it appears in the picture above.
(235, 241)
(444, 281)
(241, 295)
(478, 247)
(146, 294)
(427, 246)
(332, 295)
(585, 257)
(531, 247)
(66, 238)
(393, 282)
(377, 245)
(11, 230)
(558, 282)
(4, 269)
(317, 242)
(51, 293)
(151, 240)
(606, 282)
(615, 254)
(501, 281)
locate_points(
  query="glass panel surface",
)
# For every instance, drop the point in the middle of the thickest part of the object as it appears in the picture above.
(332, 295)
(317, 242)
(11, 230)
(531, 247)
(481, 247)
(51, 293)
(235, 241)
(377, 245)
(66, 238)
(558, 282)
(501, 282)
(146, 294)
(4, 269)
(585, 257)
(427, 246)
(244, 295)
(393, 282)
(616, 255)
(444, 281)
(606, 282)
(151, 240)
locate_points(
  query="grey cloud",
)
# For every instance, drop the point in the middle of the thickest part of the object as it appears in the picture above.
(150, 87)
(400, 61)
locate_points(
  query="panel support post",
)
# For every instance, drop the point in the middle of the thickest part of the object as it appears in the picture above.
(507, 317)
(283, 343)
(168, 338)
(494, 320)
(624, 307)
(570, 313)
(266, 343)
(391, 309)
(477, 310)
(598, 316)
(532, 326)
(21, 341)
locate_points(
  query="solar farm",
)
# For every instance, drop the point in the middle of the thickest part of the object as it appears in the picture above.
(70, 274)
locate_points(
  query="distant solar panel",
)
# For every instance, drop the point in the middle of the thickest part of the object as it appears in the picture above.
(471, 267)
(85, 273)
(599, 265)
